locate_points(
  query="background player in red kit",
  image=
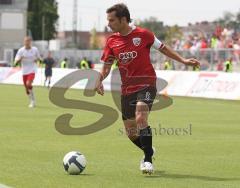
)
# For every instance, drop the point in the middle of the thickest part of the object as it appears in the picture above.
(130, 46)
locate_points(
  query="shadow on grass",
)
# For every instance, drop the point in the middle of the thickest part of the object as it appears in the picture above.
(164, 174)
(81, 175)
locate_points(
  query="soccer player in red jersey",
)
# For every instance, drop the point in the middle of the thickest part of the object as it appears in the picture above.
(130, 46)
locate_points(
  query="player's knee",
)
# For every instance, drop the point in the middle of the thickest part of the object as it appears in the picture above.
(29, 85)
(142, 107)
(26, 89)
(141, 113)
(141, 119)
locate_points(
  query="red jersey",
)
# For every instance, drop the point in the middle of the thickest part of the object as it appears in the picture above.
(133, 54)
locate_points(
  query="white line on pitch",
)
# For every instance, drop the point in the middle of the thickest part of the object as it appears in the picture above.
(3, 186)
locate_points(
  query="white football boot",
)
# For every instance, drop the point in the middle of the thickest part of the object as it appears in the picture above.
(147, 167)
(32, 99)
(32, 104)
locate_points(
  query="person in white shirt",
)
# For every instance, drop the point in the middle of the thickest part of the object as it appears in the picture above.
(27, 56)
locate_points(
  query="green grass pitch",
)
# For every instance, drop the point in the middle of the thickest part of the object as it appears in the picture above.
(31, 150)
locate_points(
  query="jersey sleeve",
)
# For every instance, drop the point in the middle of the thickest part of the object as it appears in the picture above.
(19, 55)
(149, 36)
(157, 44)
(154, 41)
(107, 54)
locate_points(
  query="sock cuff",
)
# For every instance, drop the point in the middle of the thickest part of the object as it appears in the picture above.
(146, 132)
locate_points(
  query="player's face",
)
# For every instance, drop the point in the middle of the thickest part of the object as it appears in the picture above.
(114, 22)
(27, 42)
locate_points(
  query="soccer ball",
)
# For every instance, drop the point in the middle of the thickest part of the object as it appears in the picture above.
(74, 162)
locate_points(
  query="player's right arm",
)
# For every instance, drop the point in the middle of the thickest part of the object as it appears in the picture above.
(19, 57)
(107, 59)
(103, 74)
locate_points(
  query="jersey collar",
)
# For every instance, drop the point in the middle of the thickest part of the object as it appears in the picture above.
(133, 28)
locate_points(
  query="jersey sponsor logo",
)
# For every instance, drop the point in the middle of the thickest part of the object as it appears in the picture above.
(136, 41)
(127, 57)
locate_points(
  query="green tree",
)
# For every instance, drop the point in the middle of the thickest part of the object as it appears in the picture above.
(153, 25)
(173, 32)
(238, 21)
(230, 20)
(42, 19)
(94, 42)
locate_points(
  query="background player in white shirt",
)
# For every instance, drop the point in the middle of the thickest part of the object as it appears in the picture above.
(28, 56)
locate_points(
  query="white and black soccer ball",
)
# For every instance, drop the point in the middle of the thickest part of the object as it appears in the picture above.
(74, 162)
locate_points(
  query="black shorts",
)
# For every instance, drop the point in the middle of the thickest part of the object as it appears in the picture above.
(128, 102)
(48, 72)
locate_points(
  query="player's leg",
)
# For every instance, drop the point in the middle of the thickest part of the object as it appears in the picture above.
(25, 84)
(31, 93)
(145, 100)
(29, 86)
(46, 77)
(128, 116)
(132, 132)
(49, 81)
(145, 137)
(142, 112)
(49, 75)
(45, 81)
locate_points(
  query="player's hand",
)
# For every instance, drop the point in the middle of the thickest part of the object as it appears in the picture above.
(192, 62)
(99, 88)
(110, 59)
(21, 58)
(18, 62)
(36, 61)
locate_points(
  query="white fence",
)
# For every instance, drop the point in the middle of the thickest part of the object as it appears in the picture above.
(217, 85)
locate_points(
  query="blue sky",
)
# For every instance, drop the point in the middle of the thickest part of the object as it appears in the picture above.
(91, 13)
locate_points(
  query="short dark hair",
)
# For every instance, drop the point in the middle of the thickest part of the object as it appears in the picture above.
(121, 11)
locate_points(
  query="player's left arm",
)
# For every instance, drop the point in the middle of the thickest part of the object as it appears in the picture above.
(166, 50)
(174, 55)
(19, 57)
